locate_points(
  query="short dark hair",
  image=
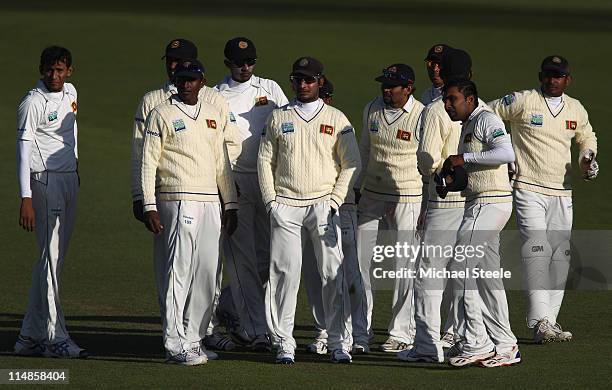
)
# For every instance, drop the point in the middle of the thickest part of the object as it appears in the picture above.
(53, 54)
(465, 86)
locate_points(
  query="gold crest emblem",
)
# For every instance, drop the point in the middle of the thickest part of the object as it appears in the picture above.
(175, 44)
(556, 60)
(303, 62)
(438, 49)
(243, 44)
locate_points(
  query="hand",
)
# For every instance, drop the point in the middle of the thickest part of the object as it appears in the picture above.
(456, 160)
(27, 217)
(229, 221)
(511, 170)
(152, 222)
(137, 210)
(588, 166)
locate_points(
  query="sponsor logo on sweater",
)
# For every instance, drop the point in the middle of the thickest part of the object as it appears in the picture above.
(347, 130)
(571, 125)
(404, 135)
(498, 133)
(287, 127)
(52, 116)
(211, 123)
(178, 125)
(327, 129)
(508, 99)
(261, 101)
(537, 119)
(232, 117)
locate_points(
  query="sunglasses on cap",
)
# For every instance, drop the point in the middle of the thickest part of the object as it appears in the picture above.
(396, 76)
(246, 61)
(301, 77)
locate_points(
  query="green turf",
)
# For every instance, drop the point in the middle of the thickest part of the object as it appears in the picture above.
(108, 290)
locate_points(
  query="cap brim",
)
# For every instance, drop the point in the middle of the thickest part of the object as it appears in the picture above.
(304, 73)
(554, 69)
(387, 81)
(433, 57)
(186, 73)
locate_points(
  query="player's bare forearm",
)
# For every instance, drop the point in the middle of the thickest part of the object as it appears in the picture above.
(27, 217)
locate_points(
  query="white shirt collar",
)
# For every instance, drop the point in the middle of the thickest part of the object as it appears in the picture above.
(306, 107)
(229, 83)
(476, 111)
(406, 107)
(42, 88)
(170, 88)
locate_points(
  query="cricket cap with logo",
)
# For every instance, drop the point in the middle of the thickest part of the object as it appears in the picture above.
(437, 52)
(556, 65)
(307, 66)
(181, 49)
(397, 74)
(240, 49)
(191, 68)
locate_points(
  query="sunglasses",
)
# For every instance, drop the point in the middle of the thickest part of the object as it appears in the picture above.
(432, 63)
(246, 61)
(307, 79)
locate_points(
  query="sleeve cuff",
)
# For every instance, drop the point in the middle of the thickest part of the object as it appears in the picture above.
(468, 157)
(26, 194)
(231, 206)
(149, 207)
(336, 202)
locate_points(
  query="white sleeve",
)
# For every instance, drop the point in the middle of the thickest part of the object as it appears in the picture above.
(280, 97)
(493, 134)
(24, 157)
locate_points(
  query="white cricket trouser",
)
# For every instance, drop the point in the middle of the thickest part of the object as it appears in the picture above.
(247, 253)
(393, 222)
(312, 280)
(481, 225)
(441, 226)
(286, 224)
(544, 221)
(191, 243)
(54, 197)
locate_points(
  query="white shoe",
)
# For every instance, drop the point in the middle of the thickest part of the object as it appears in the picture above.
(67, 349)
(466, 359)
(561, 335)
(543, 332)
(319, 347)
(27, 346)
(341, 356)
(285, 357)
(261, 343)
(192, 357)
(219, 342)
(503, 359)
(394, 345)
(411, 355)
(210, 355)
(448, 340)
(360, 349)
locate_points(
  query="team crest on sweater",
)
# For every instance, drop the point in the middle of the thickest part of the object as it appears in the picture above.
(571, 125)
(287, 127)
(178, 125)
(374, 127)
(537, 119)
(327, 129)
(403, 135)
(261, 101)
(211, 123)
(232, 117)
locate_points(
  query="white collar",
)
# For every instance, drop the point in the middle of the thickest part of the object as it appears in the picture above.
(311, 106)
(42, 88)
(475, 113)
(228, 83)
(406, 107)
(170, 88)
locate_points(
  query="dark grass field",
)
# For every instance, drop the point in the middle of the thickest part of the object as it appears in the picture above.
(108, 291)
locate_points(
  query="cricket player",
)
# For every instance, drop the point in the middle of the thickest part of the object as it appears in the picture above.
(442, 217)
(392, 189)
(484, 151)
(179, 50)
(184, 166)
(251, 99)
(312, 279)
(433, 61)
(543, 123)
(308, 160)
(47, 161)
